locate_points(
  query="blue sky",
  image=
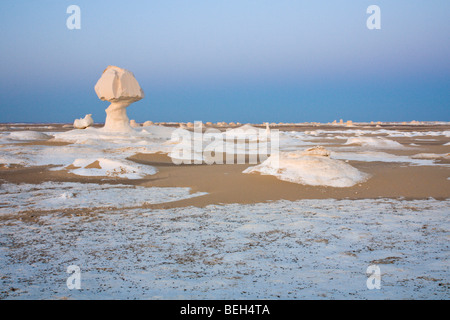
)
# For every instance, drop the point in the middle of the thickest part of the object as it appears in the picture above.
(246, 61)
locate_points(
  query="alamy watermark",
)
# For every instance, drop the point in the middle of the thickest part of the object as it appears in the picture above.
(241, 145)
(374, 20)
(74, 280)
(73, 22)
(374, 280)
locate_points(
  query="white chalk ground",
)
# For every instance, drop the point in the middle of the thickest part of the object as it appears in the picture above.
(374, 142)
(370, 156)
(281, 250)
(28, 135)
(15, 198)
(111, 168)
(310, 249)
(111, 150)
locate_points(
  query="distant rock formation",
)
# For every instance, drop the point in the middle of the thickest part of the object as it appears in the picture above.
(83, 123)
(134, 124)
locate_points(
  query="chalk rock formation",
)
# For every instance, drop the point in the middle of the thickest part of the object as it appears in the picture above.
(120, 87)
(83, 123)
(134, 124)
(309, 169)
(316, 151)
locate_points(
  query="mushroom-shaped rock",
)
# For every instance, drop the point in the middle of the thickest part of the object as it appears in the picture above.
(120, 87)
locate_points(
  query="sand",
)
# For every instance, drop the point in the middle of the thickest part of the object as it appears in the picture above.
(227, 184)
(249, 237)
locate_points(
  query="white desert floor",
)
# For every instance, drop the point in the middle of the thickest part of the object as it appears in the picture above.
(310, 249)
(305, 249)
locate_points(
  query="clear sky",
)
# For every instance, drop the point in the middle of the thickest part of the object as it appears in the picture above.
(233, 60)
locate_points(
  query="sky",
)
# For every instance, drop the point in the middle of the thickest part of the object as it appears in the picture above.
(246, 61)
